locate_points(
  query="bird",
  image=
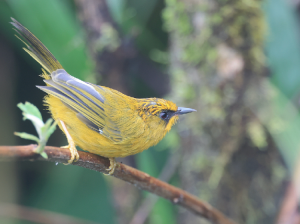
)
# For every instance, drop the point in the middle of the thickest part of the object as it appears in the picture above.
(96, 118)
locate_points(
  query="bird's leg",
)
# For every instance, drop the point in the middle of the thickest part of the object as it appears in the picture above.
(71, 146)
(112, 166)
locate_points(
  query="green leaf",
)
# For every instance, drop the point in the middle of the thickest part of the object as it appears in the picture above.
(282, 45)
(44, 131)
(51, 129)
(29, 108)
(33, 114)
(27, 136)
(40, 147)
(43, 154)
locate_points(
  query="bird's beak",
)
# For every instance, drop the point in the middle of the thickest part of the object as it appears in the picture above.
(183, 110)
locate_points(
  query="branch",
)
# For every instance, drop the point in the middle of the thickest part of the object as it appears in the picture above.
(137, 178)
(148, 203)
(289, 206)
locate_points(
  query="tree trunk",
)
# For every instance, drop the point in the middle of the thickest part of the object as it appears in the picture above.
(217, 63)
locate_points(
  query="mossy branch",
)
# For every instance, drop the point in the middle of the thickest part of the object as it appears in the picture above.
(139, 179)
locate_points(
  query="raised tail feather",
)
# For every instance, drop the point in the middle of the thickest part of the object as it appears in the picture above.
(37, 49)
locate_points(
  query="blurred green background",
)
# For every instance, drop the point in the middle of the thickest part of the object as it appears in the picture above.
(237, 63)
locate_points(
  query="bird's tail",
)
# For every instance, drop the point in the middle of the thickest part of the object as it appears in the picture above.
(37, 49)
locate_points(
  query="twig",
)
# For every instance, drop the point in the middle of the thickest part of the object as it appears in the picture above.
(146, 206)
(289, 207)
(137, 178)
(38, 216)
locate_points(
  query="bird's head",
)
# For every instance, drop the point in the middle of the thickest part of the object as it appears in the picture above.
(160, 114)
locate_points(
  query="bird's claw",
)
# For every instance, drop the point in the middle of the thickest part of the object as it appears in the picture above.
(71, 146)
(111, 167)
(74, 154)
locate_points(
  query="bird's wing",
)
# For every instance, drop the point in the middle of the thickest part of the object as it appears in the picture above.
(90, 105)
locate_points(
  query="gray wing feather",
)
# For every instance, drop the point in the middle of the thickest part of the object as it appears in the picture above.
(85, 101)
(71, 95)
(79, 96)
(88, 123)
(62, 76)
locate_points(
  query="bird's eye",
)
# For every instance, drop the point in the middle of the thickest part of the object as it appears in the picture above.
(163, 115)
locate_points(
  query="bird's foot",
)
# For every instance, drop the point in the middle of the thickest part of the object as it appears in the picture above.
(71, 146)
(112, 166)
(74, 153)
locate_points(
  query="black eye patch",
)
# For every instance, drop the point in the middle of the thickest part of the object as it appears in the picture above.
(166, 115)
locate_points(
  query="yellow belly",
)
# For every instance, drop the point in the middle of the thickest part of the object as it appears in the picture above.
(94, 142)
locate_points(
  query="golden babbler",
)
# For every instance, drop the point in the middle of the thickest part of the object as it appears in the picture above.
(98, 119)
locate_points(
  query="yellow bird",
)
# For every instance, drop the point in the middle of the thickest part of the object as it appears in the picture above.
(98, 119)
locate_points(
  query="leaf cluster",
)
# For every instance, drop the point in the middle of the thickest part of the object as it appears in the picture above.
(44, 130)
